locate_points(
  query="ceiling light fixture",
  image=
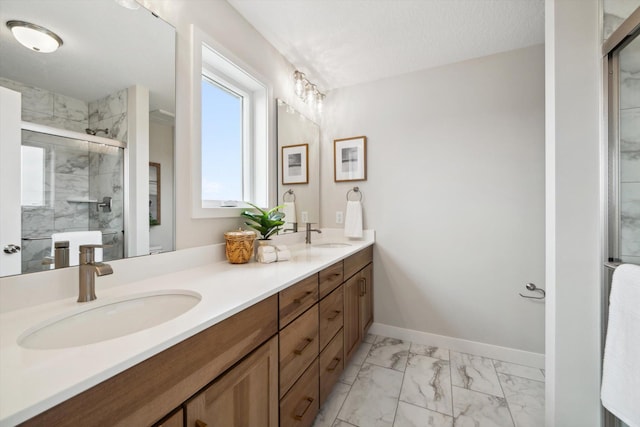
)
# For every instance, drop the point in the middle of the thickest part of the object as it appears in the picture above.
(34, 37)
(129, 4)
(308, 91)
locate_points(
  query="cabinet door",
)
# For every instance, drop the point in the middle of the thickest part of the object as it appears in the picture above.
(175, 420)
(246, 396)
(366, 298)
(351, 316)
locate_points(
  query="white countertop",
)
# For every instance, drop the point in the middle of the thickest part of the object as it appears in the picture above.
(32, 381)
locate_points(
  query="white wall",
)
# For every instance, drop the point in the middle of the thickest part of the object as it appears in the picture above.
(220, 21)
(161, 151)
(455, 192)
(573, 249)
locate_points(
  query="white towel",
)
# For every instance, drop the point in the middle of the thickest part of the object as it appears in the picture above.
(283, 253)
(621, 368)
(77, 238)
(289, 210)
(353, 219)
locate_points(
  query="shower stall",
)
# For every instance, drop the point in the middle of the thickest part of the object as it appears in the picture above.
(69, 184)
(621, 50)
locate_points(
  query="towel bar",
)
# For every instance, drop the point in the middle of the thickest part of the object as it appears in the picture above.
(290, 192)
(354, 190)
(533, 288)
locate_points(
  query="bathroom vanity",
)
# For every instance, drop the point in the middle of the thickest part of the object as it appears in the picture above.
(264, 347)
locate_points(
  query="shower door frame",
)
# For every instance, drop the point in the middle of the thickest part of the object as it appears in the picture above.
(621, 37)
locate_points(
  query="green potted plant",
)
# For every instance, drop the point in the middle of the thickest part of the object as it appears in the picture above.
(264, 222)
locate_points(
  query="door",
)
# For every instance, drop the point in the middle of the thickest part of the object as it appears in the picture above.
(10, 216)
(246, 396)
(351, 316)
(366, 298)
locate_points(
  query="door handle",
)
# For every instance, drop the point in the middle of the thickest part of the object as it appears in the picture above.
(11, 249)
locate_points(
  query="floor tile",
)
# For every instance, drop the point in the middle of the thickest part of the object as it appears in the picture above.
(518, 370)
(340, 423)
(474, 373)
(369, 338)
(413, 416)
(427, 383)
(373, 398)
(525, 398)
(473, 409)
(351, 370)
(430, 350)
(330, 408)
(389, 353)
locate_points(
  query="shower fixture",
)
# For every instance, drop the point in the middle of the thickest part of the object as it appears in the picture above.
(95, 131)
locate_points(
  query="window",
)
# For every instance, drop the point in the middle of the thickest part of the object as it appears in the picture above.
(32, 183)
(230, 143)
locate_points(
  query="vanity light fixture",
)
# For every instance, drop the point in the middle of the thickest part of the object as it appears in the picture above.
(308, 91)
(34, 37)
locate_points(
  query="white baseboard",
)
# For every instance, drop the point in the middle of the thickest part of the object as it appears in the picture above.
(505, 354)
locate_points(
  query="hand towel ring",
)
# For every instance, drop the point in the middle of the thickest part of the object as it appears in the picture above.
(354, 190)
(291, 193)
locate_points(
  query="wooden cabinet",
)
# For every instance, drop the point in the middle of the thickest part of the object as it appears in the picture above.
(358, 299)
(330, 278)
(298, 347)
(299, 407)
(331, 365)
(245, 396)
(331, 318)
(297, 298)
(174, 420)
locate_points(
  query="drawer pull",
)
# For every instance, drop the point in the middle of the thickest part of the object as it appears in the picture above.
(200, 423)
(302, 298)
(300, 348)
(335, 314)
(363, 286)
(334, 364)
(300, 411)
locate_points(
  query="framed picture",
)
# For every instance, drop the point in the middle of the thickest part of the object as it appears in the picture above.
(154, 193)
(350, 159)
(295, 164)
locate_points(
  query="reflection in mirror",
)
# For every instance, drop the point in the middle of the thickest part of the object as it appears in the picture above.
(154, 194)
(110, 84)
(299, 181)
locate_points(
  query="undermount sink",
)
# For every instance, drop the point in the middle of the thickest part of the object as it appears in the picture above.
(331, 245)
(108, 319)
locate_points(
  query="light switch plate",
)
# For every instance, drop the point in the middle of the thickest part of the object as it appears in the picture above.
(305, 216)
(339, 217)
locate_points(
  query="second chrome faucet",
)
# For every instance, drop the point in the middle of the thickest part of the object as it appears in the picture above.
(89, 269)
(307, 238)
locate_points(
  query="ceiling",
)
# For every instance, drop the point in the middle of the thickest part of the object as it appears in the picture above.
(98, 57)
(341, 43)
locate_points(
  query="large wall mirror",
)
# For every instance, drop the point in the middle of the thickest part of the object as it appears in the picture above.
(109, 87)
(298, 167)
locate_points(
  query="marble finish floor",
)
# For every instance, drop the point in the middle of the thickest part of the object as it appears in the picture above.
(395, 383)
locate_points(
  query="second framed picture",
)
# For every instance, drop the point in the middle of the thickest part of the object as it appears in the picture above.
(350, 159)
(295, 164)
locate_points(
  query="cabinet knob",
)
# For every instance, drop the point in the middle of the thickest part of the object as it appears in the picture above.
(300, 348)
(302, 408)
(200, 423)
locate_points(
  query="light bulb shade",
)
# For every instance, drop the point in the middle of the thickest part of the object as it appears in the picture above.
(320, 103)
(311, 94)
(298, 77)
(34, 37)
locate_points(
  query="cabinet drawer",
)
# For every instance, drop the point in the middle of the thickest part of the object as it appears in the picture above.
(298, 347)
(357, 261)
(297, 298)
(300, 406)
(174, 420)
(331, 316)
(331, 365)
(330, 278)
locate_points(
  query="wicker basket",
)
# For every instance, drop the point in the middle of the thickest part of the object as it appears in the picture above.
(239, 247)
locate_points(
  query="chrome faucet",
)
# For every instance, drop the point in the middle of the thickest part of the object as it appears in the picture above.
(89, 269)
(293, 229)
(307, 238)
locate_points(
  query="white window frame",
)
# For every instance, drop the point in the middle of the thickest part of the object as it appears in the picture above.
(214, 62)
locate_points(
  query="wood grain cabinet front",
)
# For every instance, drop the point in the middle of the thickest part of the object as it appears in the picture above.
(298, 347)
(331, 365)
(297, 298)
(330, 278)
(358, 300)
(331, 317)
(245, 396)
(299, 407)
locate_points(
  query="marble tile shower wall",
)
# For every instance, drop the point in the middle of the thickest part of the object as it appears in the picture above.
(48, 108)
(75, 169)
(630, 153)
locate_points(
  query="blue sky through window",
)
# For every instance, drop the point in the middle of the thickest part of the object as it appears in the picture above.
(221, 143)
